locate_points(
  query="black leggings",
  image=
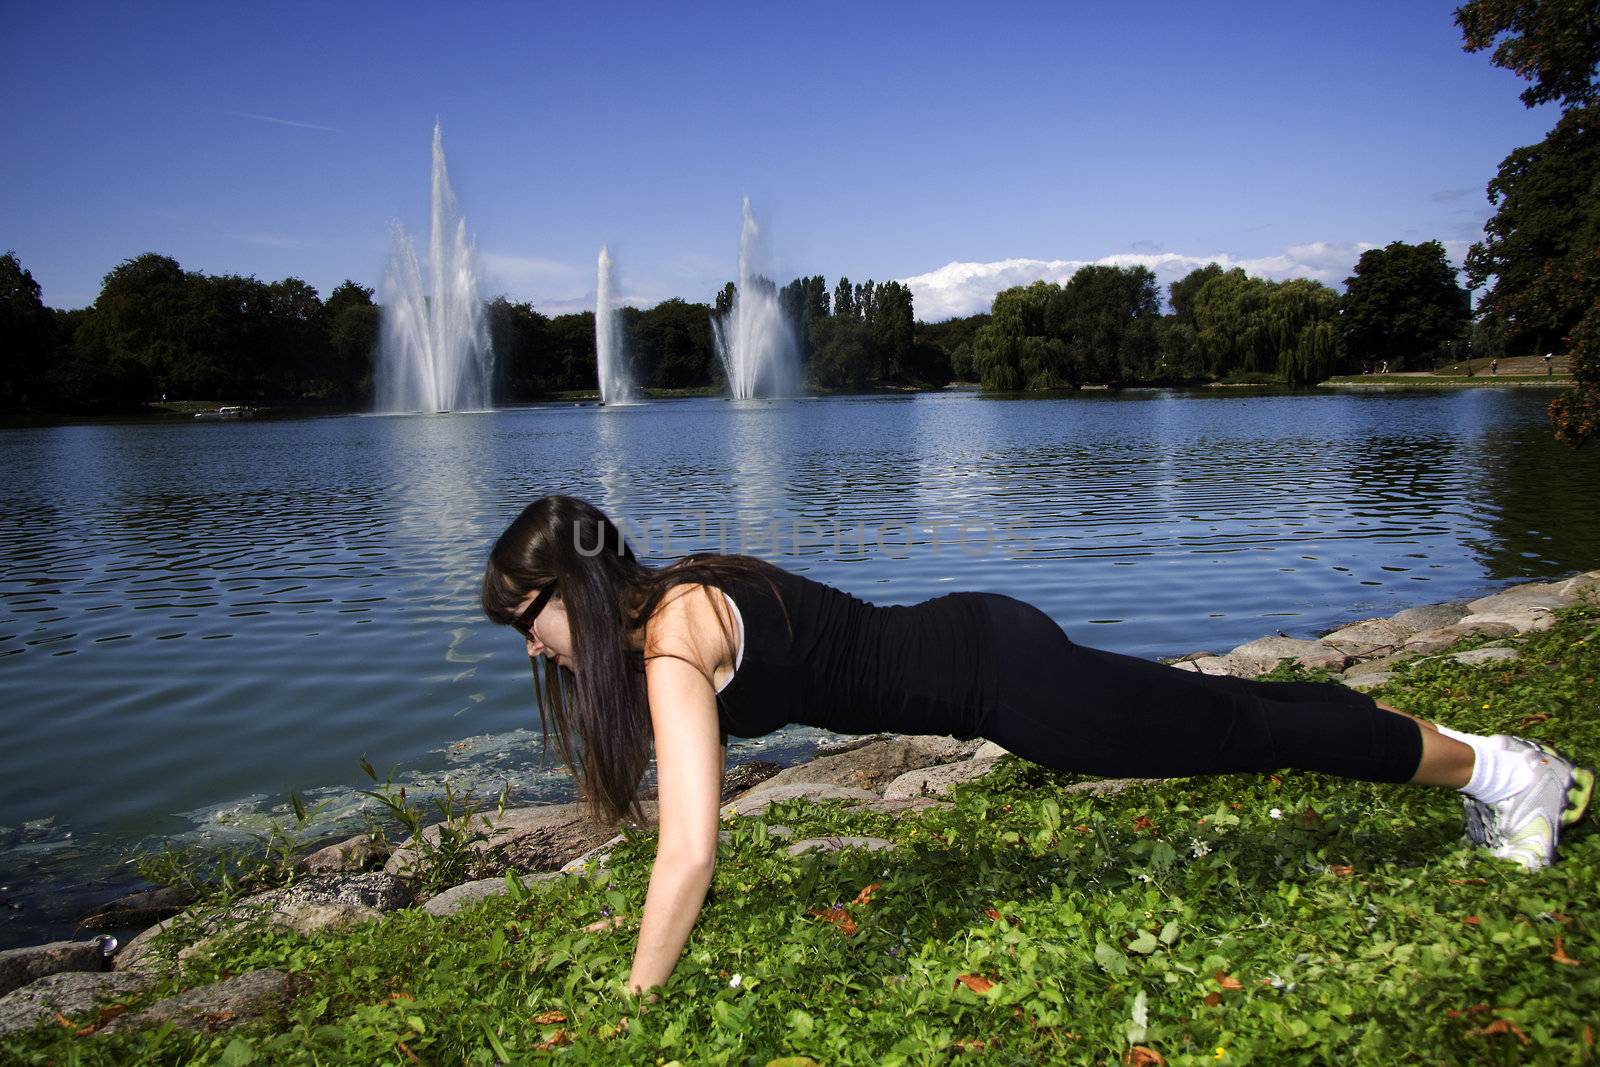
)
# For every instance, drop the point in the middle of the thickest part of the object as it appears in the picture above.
(1075, 708)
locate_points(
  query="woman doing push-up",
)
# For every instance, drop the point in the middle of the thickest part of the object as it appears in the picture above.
(675, 659)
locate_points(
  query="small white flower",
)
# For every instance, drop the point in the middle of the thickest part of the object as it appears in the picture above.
(736, 981)
(1199, 848)
(1275, 813)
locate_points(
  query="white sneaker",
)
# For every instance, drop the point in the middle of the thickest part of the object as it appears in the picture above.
(1526, 827)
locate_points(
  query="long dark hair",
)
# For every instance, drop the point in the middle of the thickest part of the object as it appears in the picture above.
(600, 714)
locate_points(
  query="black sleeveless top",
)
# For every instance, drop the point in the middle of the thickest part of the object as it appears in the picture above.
(852, 667)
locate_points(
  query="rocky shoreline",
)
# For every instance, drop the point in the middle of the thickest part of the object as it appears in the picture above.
(362, 878)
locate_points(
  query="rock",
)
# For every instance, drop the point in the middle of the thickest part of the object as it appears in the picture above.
(1522, 622)
(1439, 639)
(1382, 665)
(1584, 586)
(70, 993)
(525, 839)
(139, 909)
(353, 854)
(242, 999)
(990, 750)
(1521, 598)
(595, 857)
(935, 781)
(1475, 656)
(1431, 616)
(144, 954)
(874, 765)
(457, 897)
(1371, 680)
(1105, 787)
(848, 744)
(1265, 653)
(319, 903)
(1221, 665)
(19, 966)
(906, 806)
(838, 844)
(1371, 637)
(764, 796)
(746, 776)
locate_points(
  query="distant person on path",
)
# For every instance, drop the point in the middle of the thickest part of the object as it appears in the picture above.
(674, 659)
(1494, 366)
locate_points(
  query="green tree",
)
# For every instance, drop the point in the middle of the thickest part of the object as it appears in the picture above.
(1181, 293)
(1402, 305)
(1554, 44)
(1541, 255)
(27, 334)
(352, 322)
(672, 346)
(520, 336)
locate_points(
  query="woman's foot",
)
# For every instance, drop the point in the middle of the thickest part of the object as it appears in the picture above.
(1526, 826)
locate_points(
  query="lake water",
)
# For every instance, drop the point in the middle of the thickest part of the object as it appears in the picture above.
(197, 619)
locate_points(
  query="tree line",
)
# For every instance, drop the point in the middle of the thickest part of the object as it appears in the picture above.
(156, 331)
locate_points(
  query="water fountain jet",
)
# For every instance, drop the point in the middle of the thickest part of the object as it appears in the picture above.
(611, 365)
(434, 352)
(753, 339)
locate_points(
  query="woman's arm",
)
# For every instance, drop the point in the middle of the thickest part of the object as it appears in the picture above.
(689, 759)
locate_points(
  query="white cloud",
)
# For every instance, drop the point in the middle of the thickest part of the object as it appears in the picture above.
(968, 288)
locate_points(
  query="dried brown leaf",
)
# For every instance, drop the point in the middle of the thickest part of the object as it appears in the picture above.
(976, 982)
(1227, 981)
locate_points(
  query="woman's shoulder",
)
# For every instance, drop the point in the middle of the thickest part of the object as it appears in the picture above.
(691, 617)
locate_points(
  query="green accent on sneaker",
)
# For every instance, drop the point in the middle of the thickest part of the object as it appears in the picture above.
(1579, 792)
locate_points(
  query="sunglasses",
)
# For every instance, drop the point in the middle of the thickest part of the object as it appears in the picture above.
(523, 620)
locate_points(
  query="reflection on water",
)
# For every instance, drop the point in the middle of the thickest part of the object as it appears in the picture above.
(195, 620)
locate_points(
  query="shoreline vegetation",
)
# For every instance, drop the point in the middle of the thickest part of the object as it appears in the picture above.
(908, 900)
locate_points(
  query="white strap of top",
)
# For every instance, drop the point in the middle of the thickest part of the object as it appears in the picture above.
(738, 657)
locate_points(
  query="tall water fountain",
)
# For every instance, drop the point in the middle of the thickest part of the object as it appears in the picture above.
(611, 364)
(754, 342)
(434, 353)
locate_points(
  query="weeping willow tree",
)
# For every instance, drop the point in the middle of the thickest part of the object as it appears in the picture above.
(1246, 325)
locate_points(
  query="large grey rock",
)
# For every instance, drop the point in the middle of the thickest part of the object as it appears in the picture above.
(1520, 598)
(1437, 640)
(19, 966)
(1582, 587)
(936, 781)
(902, 807)
(139, 909)
(523, 839)
(319, 903)
(990, 750)
(1265, 653)
(70, 993)
(1221, 665)
(1370, 637)
(763, 797)
(1474, 657)
(1431, 616)
(1368, 680)
(874, 765)
(242, 999)
(457, 897)
(595, 857)
(1532, 620)
(839, 844)
(1105, 787)
(353, 854)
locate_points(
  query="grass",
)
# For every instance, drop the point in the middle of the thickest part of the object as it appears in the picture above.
(1277, 919)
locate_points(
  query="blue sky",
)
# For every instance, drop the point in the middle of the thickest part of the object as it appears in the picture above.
(957, 146)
